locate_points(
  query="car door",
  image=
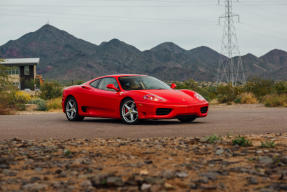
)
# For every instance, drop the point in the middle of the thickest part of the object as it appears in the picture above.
(87, 97)
(108, 100)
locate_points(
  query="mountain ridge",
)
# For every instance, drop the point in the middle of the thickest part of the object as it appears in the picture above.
(66, 57)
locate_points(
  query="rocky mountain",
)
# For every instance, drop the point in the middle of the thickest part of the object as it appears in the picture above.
(65, 57)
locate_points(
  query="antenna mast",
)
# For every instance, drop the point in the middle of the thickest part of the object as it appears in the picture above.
(230, 68)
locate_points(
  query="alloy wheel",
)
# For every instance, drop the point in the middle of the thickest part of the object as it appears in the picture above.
(71, 109)
(129, 112)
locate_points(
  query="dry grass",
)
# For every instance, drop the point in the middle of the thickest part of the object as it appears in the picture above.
(54, 104)
(248, 98)
(275, 100)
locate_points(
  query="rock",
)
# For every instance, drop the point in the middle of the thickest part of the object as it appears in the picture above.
(168, 186)
(265, 160)
(34, 179)
(8, 172)
(181, 174)
(153, 180)
(148, 161)
(86, 184)
(219, 151)
(145, 187)
(284, 160)
(4, 163)
(211, 175)
(168, 174)
(207, 187)
(115, 181)
(35, 187)
(144, 172)
(252, 180)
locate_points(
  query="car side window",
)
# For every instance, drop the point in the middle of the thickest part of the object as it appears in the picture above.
(108, 80)
(95, 83)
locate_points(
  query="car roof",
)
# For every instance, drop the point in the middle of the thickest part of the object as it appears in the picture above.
(121, 75)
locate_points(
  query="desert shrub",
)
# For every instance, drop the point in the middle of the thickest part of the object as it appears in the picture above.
(246, 98)
(54, 103)
(268, 144)
(275, 100)
(22, 97)
(227, 93)
(213, 139)
(281, 87)
(207, 91)
(241, 141)
(50, 90)
(41, 104)
(259, 87)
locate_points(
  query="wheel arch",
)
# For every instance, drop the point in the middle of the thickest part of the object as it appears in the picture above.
(125, 98)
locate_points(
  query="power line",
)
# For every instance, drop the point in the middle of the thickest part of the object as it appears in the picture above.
(230, 70)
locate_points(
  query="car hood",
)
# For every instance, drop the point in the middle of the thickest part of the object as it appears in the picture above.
(172, 96)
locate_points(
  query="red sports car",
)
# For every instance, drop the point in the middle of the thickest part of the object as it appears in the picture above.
(131, 98)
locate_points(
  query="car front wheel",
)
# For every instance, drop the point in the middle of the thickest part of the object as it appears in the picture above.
(129, 112)
(71, 110)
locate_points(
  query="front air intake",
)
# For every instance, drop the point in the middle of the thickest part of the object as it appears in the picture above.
(163, 111)
(203, 109)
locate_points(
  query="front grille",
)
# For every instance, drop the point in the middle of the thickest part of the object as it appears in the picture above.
(203, 109)
(163, 111)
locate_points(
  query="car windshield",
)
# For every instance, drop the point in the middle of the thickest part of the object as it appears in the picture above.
(141, 83)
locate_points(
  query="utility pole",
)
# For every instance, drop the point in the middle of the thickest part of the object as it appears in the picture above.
(230, 68)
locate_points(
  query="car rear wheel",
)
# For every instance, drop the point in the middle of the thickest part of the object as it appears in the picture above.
(129, 112)
(186, 119)
(71, 110)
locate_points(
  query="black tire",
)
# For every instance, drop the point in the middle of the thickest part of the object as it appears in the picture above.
(72, 112)
(186, 119)
(129, 116)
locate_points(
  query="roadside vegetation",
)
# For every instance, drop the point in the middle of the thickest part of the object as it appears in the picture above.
(48, 97)
(270, 93)
(12, 99)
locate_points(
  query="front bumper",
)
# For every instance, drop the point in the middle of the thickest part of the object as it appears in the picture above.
(149, 110)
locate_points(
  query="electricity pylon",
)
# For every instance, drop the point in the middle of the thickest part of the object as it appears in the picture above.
(230, 68)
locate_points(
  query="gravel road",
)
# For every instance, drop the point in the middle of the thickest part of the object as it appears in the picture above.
(222, 120)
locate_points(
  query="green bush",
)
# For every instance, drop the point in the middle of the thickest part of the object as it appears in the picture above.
(50, 90)
(213, 139)
(259, 87)
(268, 144)
(280, 87)
(241, 141)
(41, 104)
(227, 93)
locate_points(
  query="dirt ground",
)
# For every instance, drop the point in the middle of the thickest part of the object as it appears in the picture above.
(146, 164)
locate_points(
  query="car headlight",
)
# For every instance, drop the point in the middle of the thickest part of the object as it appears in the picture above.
(199, 97)
(152, 97)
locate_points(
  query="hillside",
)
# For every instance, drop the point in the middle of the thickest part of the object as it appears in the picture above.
(65, 57)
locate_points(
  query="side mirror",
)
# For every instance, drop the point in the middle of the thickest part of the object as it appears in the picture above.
(173, 86)
(112, 86)
(85, 87)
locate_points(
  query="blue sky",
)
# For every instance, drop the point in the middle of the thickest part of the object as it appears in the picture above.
(147, 23)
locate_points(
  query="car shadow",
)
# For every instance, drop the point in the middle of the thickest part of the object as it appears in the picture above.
(141, 122)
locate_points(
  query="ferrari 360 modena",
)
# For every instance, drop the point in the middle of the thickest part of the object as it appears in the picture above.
(132, 98)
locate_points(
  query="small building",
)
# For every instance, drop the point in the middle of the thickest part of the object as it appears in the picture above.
(22, 71)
